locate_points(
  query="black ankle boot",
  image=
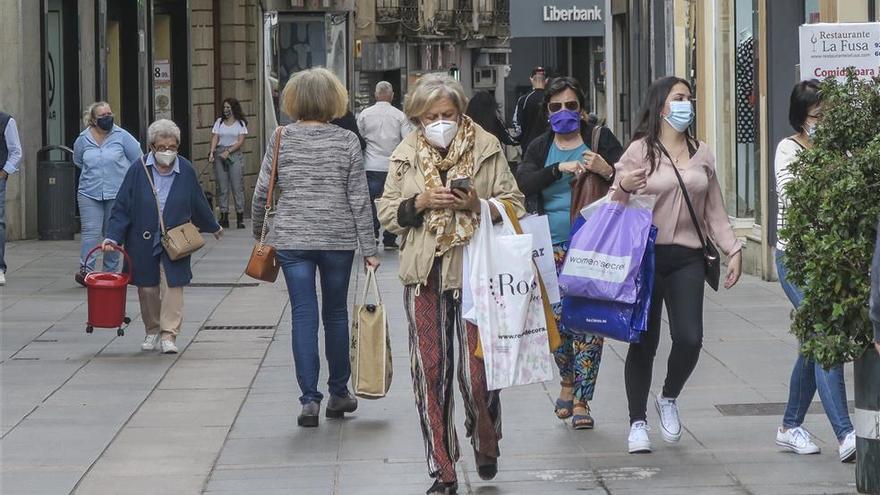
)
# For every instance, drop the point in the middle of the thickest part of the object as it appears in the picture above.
(447, 488)
(239, 220)
(224, 220)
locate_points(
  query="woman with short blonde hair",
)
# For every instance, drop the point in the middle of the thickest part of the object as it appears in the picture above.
(435, 222)
(323, 215)
(103, 152)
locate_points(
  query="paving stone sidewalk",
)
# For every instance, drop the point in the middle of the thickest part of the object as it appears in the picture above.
(92, 414)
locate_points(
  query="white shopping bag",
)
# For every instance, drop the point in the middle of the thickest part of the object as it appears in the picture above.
(542, 251)
(506, 305)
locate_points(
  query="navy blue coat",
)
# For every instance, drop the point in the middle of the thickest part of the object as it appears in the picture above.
(134, 223)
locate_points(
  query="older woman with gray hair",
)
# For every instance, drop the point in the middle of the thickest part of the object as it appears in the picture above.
(172, 190)
(435, 222)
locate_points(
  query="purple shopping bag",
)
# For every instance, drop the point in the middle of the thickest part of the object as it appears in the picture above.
(604, 255)
(619, 321)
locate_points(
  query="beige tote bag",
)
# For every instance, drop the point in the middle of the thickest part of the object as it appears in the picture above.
(370, 348)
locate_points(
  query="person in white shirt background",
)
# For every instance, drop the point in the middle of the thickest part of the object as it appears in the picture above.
(383, 127)
(227, 140)
(10, 156)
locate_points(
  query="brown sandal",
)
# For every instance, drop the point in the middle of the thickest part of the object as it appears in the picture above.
(564, 408)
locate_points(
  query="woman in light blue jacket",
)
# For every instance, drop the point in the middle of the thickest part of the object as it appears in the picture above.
(103, 152)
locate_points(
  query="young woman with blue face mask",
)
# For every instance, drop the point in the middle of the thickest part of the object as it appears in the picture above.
(807, 376)
(552, 161)
(661, 146)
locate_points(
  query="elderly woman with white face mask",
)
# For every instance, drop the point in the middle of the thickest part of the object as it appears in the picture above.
(134, 223)
(435, 221)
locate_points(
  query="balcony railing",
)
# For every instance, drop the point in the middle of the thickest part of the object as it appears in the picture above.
(404, 12)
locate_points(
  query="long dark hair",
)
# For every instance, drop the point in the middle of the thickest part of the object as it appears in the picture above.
(651, 119)
(236, 110)
(483, 109)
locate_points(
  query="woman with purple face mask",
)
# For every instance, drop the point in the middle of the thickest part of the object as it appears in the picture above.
(545, 176)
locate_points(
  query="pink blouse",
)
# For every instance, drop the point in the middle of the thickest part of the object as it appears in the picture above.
(671, 214)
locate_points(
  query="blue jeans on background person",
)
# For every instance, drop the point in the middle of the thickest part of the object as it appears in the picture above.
(299, 269)
(808, 376)
(376, 185)
(3, 226)
(94, 216)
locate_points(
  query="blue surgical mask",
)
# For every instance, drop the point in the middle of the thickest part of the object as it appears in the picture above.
(811, 131)
(681, 115)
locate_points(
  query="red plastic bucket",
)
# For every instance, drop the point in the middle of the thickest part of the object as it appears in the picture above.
(106, 295)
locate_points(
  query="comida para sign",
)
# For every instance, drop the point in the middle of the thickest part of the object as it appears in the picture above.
(555, 18)
(828, 50)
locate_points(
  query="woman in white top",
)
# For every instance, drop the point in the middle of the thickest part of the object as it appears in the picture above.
(228, 137)
(808, 376)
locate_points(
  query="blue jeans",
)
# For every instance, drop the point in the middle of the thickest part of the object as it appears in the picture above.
(376, 185)
(94, 216)
(3, 226)
(299, 269)
(808, 376)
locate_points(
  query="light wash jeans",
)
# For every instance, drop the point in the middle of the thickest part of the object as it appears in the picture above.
(808, 376)
(94, 216)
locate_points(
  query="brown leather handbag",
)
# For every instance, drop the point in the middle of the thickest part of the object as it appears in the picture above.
(588, 187)
(262, 265)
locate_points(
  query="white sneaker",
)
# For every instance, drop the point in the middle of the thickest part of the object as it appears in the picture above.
(2, 279)
(639, 443)
(670, 425)
(847, 449)
(168, 347)
(150, 342)
(797, 440)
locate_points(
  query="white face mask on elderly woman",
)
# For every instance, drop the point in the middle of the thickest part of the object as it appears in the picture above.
(441, 133)
(165, 158)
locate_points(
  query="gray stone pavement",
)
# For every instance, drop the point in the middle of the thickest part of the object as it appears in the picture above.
(91, 414)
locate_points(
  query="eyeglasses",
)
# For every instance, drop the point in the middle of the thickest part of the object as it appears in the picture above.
(161, 149)
(556, 106)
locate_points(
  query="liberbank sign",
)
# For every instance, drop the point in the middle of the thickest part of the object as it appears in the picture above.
(549, 18)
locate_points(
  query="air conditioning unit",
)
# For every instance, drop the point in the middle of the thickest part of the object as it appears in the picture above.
(493, 57)
(485, 77)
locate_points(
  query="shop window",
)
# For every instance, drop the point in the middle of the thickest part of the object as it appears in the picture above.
(745, 83)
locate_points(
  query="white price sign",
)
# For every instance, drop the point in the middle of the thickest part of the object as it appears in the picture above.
(161, 71)
(828, 50)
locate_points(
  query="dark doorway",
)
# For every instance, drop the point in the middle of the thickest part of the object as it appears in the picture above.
(170, 74)
(123, 83)
(62, 108)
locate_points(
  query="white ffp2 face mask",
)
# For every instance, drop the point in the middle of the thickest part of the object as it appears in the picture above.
(441, 133)
(165, 158)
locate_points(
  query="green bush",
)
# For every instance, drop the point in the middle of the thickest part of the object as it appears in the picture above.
(831, 223)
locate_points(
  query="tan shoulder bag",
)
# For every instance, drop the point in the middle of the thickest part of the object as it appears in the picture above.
(262, 264)
(180, 241)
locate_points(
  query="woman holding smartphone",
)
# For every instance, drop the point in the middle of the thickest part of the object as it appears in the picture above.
(436, 179)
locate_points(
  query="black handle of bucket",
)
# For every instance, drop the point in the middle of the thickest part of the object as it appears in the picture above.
(52, 147)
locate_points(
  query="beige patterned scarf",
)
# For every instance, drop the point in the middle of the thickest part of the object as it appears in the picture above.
(452, 227)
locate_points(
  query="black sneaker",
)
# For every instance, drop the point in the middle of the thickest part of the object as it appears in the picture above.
(80, 276)
(447, 488)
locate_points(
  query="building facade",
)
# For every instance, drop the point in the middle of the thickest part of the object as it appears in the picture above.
(149, 59)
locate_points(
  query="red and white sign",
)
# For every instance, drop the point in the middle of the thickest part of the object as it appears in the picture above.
(828, 50)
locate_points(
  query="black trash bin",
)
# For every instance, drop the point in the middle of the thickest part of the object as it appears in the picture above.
(56, 195)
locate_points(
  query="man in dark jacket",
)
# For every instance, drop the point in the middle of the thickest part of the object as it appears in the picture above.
(875, 291)
(529, 117)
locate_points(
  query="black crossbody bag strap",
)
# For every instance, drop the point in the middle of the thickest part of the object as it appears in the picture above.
(687, 198)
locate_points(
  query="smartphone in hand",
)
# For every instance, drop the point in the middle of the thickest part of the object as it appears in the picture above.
(462, 184)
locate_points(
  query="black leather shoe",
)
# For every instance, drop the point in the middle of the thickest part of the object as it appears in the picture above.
(487, 466)
(224, 220)
(239, 220)
(444, 488)
(338, 406)
(308, 418)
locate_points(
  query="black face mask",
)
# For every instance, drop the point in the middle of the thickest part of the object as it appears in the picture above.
(105, 122)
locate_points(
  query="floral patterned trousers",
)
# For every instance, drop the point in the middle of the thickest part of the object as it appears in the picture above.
(579, 356)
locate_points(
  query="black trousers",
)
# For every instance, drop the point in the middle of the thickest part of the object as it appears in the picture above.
(678, 281)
